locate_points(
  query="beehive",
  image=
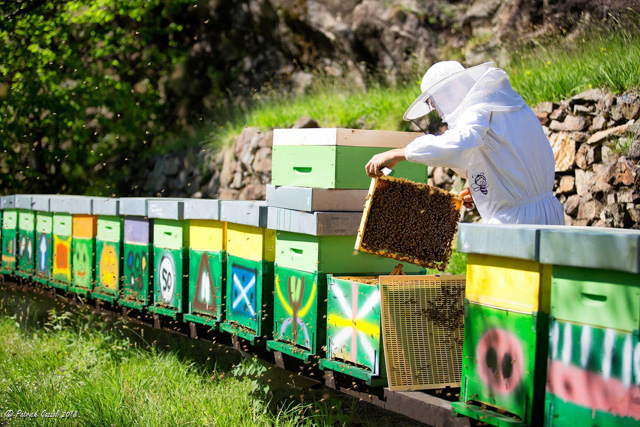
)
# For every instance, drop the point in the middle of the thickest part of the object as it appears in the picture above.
(137, 269)
(171, 256)
(26, 236)
(62, 237)
(409, 221)
(108, 249)
(423, 325)
(84, 229)
(43, 239)
(207, 261)
(9, 234)
(335, 158)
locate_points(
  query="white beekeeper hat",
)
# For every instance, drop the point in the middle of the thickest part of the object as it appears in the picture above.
(446, 83)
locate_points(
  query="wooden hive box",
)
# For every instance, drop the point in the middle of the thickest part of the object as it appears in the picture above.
(335, 158)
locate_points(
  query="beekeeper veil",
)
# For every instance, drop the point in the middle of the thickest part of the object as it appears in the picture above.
(451, 89)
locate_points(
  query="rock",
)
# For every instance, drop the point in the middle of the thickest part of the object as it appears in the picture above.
(603, 135)
(588, 155)
(262, 161)
(605, 103)
(588, 96)
(197, 195)
(581, 222)
(572, 204)
(568, 220)
(253, 192)
(616, 215)
(598, 123)
(602, 178)
(633, 152)
(583, 109)
(624, 172)
(228, 167)
(627, 107)
(582, 182)
(566, 185)
(627, 195)
(608, 155)
(544, 107)
(305, 122)
(210, 190)
(236, 182)
(634, 212)
(571, 123)
(589, 209)
(266, 139)
(440, 177)
(559, 113)
(543, 118)
(247, 144)
(173, 163)
(228, 194)
(301, 81)
(564, 151)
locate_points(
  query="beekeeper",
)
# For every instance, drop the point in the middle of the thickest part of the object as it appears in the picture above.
(493, 140)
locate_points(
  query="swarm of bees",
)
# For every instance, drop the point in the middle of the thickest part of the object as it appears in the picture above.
(411, 222)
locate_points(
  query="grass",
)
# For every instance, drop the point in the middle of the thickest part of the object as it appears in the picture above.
(80, 363)
(553, 69)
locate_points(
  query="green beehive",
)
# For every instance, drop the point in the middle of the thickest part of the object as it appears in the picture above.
(249, 286)
(43, 239)
(593, 376)
(62, 237)
(354, 331)
(336, 158)
(207, 262)
(108, 249)
(504, 364)
(137, 270)
(171, 257)
(596, 275)
(9, 234)
(84, 230)
(26, 236)
(299, 313)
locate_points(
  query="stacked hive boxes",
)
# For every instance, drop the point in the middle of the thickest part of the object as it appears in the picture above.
(594, 352)
(207, 261)
(43, 243)
(84, 245)
(26, 236)
(250, 256)
(316, 202)
(506, 325)
(9, 234)
(171, 257)
(138, 253)
(108, 249)
(62, 232)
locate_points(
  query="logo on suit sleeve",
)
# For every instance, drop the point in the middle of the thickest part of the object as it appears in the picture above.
(479, 183)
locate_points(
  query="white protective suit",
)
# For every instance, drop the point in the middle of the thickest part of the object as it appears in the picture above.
(494, 140)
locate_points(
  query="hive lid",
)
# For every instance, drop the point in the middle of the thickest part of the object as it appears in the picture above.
(22, 201)
(165, 208)
(40, 203)
(344, 137)
(591, 247)
(59, 204)
(136, 206)
(512, 241)
(316, 199)
(106, 206)
(202, 209)
(7, 202)
(244, 212)
(80, 205)
(314, 223)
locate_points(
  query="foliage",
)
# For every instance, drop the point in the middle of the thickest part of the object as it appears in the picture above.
(81, 84)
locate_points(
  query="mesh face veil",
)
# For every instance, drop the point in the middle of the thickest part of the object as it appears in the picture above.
(452, 88)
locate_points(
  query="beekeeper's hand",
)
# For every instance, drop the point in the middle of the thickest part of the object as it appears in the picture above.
(387, 159)
(467, 200)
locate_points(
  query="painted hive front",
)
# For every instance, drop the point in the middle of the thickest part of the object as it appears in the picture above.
(137, 263)
(354, 329)
(108, 258)
(44, 247)
(26, 245)
(503, 366)
(84, 247)
(9, 240)
(593, 376)
(299, 313)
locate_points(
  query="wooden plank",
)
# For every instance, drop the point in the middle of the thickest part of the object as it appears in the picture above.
(344, 137)
(314, 223)
(22, 201)
(506, 240)
(106, 206)
(7, 202)
(316, 199)
(166, 208)
(201, 209)
(40, 203)
(136, 206)
(365, 213)
(245, 212)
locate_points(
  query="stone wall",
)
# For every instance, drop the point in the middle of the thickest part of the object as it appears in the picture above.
(595, 137)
